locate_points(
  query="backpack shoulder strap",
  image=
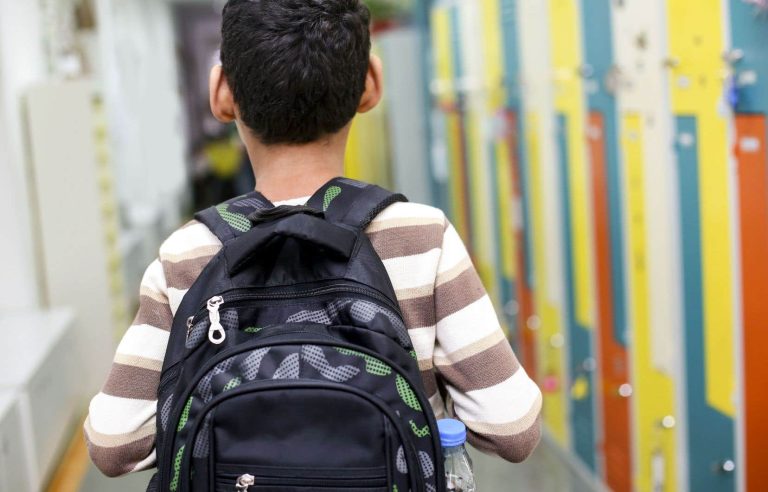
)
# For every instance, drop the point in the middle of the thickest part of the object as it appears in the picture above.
(353, 203)
(229, 220)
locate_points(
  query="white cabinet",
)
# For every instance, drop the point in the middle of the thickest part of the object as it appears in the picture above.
(15, 454)
(40, 361)
(77, 216)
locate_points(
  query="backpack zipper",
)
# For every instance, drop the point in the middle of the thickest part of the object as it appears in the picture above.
(245, 481)
(217, 334)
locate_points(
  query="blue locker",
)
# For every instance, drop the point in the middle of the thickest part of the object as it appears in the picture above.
(705, 459)
(580, 338)
(749, 57)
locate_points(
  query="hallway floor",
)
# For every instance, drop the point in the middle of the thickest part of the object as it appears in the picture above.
(543, 472)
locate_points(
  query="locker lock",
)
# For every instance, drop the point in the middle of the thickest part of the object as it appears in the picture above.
(668, 422)
(589, 364)
(625, 390)
(512, 308)
(586, 70)
(727, 466)
(733, 56)
(557, 341)
(671, 62)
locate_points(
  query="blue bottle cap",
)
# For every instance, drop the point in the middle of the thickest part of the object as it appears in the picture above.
(452, 432)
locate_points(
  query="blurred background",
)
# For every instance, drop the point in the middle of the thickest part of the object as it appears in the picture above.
(605, 161)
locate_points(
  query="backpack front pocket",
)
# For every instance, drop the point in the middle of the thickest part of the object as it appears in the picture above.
(243, 434)
(318, 403)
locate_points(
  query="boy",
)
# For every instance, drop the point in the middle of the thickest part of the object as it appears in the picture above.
(293, 75)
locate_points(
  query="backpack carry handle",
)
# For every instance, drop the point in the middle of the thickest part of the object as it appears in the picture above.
(300, 226)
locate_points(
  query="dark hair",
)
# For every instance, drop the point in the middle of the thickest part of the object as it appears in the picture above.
(296, 68)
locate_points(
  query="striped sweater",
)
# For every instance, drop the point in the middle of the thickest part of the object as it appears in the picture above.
(462, 351)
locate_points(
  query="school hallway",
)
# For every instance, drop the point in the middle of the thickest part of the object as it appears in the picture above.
(544, 471)
(605, 163)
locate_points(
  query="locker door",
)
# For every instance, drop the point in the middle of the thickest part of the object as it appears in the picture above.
(471, 67)
(461, 156)
(500, 149)
(653, 406)
(545, 229)
(457, 145)
(616, 390)
(567, 58)
(526, 320)
(608, 233)
(749, 30)
(550, 338)
(580, 340)
(651, 225)
(753, 190)
(451, 116)
(708, 450)
(520, 189)
(706, 198)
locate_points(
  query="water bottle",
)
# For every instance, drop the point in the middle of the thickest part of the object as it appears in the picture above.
(458, 464)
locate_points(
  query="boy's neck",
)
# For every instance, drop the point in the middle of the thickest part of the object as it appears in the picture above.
(283, 172)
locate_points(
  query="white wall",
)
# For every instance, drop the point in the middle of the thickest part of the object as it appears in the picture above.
(22, 62)
(140, 83)
(403, 90)
(138, 77)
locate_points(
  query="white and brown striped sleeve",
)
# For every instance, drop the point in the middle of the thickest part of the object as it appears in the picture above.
(491, 392)
(120, 428)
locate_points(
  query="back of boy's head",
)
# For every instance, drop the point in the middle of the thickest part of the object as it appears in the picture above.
(296, 68)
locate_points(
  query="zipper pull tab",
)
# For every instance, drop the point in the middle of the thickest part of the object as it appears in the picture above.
(245, 481)
(189, 326)
(216, 333)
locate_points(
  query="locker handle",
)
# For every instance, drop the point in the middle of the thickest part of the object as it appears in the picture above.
(625, 390)
(671, 62)
(668, 422)
(727, 466)
(586, 70)
(733, 56)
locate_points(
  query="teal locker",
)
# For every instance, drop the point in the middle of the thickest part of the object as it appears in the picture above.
(749, 57)
(707, 445)
(580, 337)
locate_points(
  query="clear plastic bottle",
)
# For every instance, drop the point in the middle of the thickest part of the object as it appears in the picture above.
(458, 464)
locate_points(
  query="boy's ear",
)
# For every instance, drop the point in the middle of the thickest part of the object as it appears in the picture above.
(221, 98)
(374, 86)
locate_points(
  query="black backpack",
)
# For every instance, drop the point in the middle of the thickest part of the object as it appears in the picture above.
(289, 366)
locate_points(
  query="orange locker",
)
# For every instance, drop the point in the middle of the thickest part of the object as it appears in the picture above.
(753, 206)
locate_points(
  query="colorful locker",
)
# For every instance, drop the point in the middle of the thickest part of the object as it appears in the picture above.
(545, 225)
(652, 240)
(696, 45)
(525, 336)
(500, 148)
(599, 73)
(448, 124)
(748, 96)
(468, 39)
(574, 189)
